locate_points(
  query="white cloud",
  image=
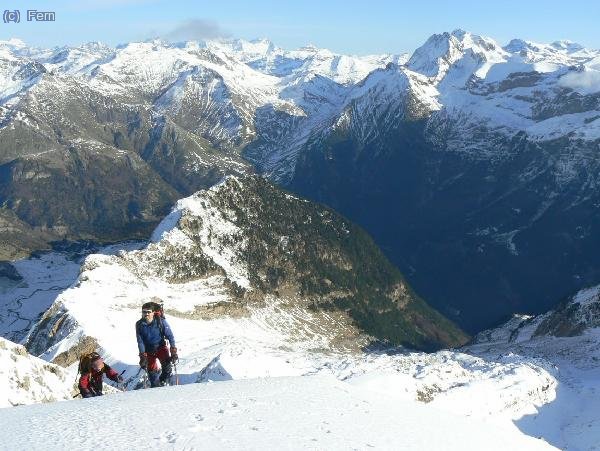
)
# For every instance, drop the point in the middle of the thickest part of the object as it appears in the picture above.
(195, 30)
(586, 82)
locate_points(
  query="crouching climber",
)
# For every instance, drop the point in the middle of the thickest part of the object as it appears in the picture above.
(92, 369)
(152, 332)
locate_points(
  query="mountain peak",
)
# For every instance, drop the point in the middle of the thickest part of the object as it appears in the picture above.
(459, 34)
(566, 45)
(245, 242)
(440, 51)
(14, 42)
(263, 41)
(516, 45)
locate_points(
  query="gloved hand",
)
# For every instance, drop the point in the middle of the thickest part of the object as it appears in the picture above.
(143, 360)
(174, 357)
(120, 379)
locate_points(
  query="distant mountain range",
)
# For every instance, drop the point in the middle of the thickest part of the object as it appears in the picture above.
(474, 166)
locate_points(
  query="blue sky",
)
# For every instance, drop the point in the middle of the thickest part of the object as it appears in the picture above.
(357, 27)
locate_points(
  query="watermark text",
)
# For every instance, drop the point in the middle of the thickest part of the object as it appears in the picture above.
(33, 15)
(40, 16)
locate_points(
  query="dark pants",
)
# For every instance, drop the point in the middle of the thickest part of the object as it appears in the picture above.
(89, 393)
(158, 378)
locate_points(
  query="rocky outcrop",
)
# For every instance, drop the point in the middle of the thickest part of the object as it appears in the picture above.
(572, 317)
(26, 379)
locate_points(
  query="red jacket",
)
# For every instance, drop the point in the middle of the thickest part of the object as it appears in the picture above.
(90, 384)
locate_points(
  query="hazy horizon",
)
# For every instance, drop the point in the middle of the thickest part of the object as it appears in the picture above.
(342, 27)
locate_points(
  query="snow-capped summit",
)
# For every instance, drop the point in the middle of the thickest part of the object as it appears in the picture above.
(76, 60)
(548, 57)
(442, 51)
(246, 51)
(14, 48)
(14, 43)
(516, 45)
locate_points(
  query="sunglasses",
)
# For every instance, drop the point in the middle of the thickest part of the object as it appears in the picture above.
(146, 312)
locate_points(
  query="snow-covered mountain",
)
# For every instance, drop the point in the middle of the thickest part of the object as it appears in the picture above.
(247, 252)
(218, 91)
(173, 118)
(471, 90)
(492, 149)
(476, 167)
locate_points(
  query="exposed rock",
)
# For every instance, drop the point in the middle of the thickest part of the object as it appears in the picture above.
(73, 354)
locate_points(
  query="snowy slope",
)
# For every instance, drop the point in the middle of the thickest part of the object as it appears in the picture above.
(221, 339)
(274, 340)
(279, 340)
(497, 389)
(25, 379)
(290, 413)
(569, 337)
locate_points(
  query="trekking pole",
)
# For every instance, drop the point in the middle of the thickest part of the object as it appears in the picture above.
(121, 386)
(140, 380)
(176, 375)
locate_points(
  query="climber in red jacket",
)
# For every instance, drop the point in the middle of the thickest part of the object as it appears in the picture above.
(90, 382)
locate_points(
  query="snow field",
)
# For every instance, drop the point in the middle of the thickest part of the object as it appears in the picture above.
(276, 413)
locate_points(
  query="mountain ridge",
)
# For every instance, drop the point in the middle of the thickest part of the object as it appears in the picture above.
(243, 259)
(479, 150)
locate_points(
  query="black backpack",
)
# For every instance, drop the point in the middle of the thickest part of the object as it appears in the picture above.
(85, 362)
